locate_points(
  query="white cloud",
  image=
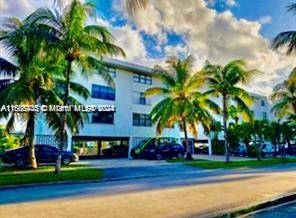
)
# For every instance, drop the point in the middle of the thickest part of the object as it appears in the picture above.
(265, 20)
(218, 37)
(207, 34)
(230, 3)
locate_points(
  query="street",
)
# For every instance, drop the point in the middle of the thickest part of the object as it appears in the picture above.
(172, 191)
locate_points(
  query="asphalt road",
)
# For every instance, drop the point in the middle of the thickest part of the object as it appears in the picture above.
(132, 180)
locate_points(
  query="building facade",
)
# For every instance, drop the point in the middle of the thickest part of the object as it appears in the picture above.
(130, 123)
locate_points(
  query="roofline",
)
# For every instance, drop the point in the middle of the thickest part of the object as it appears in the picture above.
(257, 94)
(124, 65)
(128, 66)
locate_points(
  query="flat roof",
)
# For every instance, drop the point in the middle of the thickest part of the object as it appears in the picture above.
(124, 65)
(128, 66)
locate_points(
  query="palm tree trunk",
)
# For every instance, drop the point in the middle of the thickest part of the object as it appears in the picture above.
(187, 144)
(63, 120)
(29, 140)
(225, 128)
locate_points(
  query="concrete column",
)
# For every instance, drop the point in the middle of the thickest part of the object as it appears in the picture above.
(69, 140)
(210, 145)
(130, 146)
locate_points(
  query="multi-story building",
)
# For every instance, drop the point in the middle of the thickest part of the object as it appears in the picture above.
(130, 122)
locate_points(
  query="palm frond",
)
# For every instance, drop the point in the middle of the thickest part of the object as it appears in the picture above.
(288, 39)
(292, 8)
(134, 6)
(156, 91)
(7, 68)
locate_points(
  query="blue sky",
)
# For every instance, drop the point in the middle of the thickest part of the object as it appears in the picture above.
(215, 30)
(273, 12)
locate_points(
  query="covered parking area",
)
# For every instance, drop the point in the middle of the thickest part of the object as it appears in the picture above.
(93, 147)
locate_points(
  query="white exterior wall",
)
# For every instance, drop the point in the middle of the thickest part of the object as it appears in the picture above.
(125, 107)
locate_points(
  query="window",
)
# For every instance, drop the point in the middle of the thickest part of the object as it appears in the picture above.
(111, 71)
(140, 98)
(103, 117)
(141, 78)
(262, 103)
(264, 116)
(141, 120)
(102, 92)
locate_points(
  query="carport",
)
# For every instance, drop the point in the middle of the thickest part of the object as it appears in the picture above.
(93, 147)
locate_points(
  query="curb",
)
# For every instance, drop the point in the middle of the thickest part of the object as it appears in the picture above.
(246, 211)
(12, 187)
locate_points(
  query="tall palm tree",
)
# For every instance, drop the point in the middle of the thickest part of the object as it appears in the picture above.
(284, 96)
(223, 81)
(82, 47)
(134, 6)
(287, 38)
(183, 102)
(32, 76)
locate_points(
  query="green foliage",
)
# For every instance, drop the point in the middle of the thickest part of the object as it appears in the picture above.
(7, 141)
(284, 98)
(11, 176)
(218, 147)
(183, 103)
(223, 81)
(287, 38)
(237, 164)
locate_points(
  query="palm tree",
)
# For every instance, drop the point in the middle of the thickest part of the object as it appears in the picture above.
(287, 38)
(284, 96)
(134, 6)
(223, 81)
(82, 47)
(183, 103)
(32, 76)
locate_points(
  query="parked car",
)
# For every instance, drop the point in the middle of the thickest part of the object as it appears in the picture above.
(291, 150)
(138, 150)
(240, 150)
(166, 151)
(44, 154)
(116, 151)
(268, 149)
(201, 149)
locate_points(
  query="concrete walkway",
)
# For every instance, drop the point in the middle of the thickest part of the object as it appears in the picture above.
(191, 194)
(220, 157)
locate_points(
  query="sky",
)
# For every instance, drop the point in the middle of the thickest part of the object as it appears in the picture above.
(214, 30)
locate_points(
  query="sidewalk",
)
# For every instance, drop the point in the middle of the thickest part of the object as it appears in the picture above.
(220, 157)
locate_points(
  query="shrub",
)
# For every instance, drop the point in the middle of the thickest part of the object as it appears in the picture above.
(8, 141)
(218, 147)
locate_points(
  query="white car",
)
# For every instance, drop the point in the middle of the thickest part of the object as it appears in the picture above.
(268, 149)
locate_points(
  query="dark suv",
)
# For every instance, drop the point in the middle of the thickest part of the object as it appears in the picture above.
(165, 151)
(44, 154)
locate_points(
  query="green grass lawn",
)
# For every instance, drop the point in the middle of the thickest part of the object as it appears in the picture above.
(44, 174)
(207, 164)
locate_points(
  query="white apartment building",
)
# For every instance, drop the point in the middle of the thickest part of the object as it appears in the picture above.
(130, 123)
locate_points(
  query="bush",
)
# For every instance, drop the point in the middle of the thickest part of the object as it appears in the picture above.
(252, 151)
(7, 141)
(218, 147)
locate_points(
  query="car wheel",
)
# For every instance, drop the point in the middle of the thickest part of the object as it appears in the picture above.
(158, 156)
(20, 162)
(180, 156)
(66, 160)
